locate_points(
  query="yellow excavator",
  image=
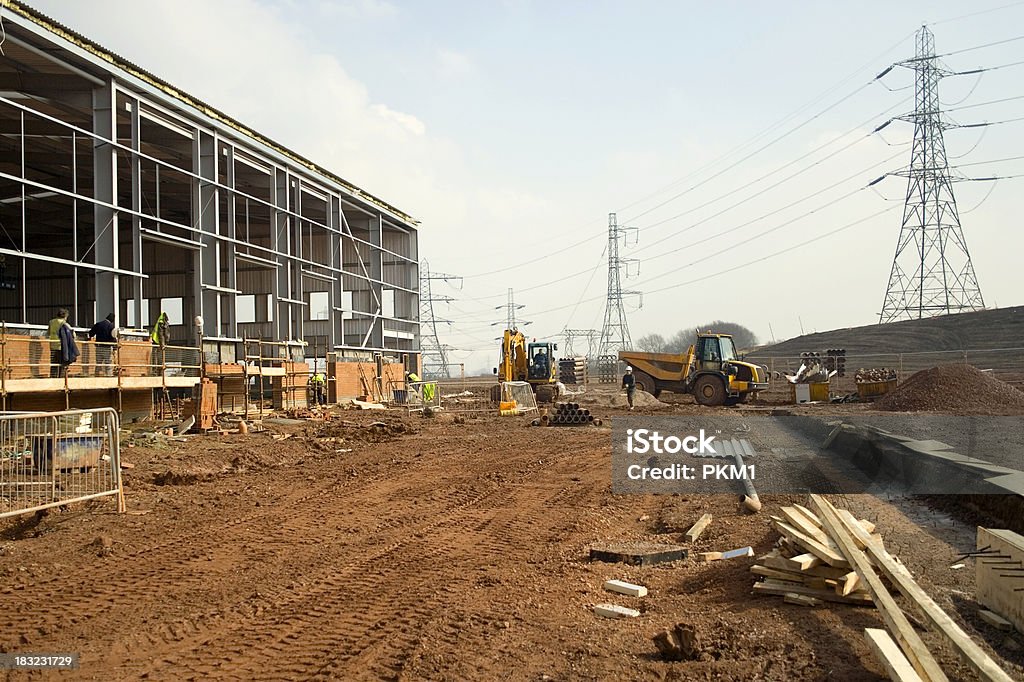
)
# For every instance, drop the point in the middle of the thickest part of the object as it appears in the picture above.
(710, 370)
(533, 362)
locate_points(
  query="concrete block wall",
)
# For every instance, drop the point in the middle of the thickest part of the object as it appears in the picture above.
(230, 381)
(28, 357)
(135, 404)
(344, 379)
(290, 390)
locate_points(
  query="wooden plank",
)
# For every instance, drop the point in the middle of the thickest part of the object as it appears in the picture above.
(786, 576)
(819, 550)
(731, 554)
(995, 620)
(940, 621)
(805, 526)
(896, 665)
(800, 599)
(848, 583)
(994, 591)
(698, 528)
(895, 620)
(781, 588)
(811, 516)
(804, 562)
(781, 564)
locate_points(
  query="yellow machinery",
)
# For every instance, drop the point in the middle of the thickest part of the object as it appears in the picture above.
(709, 369)
(533, 362)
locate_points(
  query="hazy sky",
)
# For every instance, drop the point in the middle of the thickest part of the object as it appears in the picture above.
(728, 133)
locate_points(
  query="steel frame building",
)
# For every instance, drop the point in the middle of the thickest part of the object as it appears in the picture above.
(119, 192)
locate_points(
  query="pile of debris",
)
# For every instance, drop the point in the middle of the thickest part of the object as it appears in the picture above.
(874, 375)
(807, 568)
(829, 555)
(954, 388)
(811, 371)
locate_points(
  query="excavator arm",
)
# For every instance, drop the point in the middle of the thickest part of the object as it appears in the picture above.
(512, 365)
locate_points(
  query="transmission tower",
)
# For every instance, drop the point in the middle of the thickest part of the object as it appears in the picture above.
(510, 308)
(615, 332)
(571, 336)
(433, 353)
(931, 272)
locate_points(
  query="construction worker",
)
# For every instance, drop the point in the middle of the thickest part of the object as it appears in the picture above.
(63, 349)
(105, 334)
(159, 336)
(629, 383)
(319, 383)
(411, 379)
(160, 331)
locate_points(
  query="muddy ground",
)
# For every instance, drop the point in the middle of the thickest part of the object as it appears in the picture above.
(428, 549)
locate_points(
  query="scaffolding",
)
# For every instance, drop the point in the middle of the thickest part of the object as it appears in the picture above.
(115, 184)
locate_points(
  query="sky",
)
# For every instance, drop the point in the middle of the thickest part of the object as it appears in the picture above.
(735, 136)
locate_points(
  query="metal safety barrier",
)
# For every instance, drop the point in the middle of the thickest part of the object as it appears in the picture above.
(420, 394)
(56, 458)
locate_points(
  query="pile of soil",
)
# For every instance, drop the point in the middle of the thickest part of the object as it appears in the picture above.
(954, 388)
(640, 399)
(377, 431)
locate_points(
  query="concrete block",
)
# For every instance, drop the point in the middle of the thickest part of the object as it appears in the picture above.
(637, 553)
(614, 611)
(623, 587)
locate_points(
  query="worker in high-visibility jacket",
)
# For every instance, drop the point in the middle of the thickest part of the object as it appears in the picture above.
(159, 336)
(319, 383)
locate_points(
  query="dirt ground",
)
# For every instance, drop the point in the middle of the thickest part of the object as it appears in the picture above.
(420, 548)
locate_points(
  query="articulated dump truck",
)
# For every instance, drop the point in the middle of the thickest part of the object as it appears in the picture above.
(710, 370)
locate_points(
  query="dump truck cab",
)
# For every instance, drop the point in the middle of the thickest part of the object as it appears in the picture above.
(710, 370)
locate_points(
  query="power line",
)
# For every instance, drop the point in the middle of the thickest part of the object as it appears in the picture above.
(751, 155)
(766, 189)
(728, 154)
(773, 126)
(740, 202)
(984, 104)
(780, 168)
(779, 210)
(743, 265)
(974, 14)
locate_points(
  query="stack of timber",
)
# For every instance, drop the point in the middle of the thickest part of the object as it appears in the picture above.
(808, 567)
(827, 554)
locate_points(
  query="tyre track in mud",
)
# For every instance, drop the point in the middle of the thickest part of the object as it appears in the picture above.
(177, 564)
(292, 632)
(335, 620)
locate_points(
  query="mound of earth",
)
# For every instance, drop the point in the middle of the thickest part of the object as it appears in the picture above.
(954, 388)
(640, 399)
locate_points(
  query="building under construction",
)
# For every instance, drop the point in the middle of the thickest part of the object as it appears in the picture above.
(121, 193)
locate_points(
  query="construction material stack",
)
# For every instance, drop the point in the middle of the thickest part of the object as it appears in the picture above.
(567, 414)
(874, 383)
(827, 554)
(572, 371)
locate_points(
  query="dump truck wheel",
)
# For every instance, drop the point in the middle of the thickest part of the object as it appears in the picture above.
(709, 391)
(545, 394)
(645, 383)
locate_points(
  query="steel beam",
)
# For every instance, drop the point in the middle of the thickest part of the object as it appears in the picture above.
(105, 218)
